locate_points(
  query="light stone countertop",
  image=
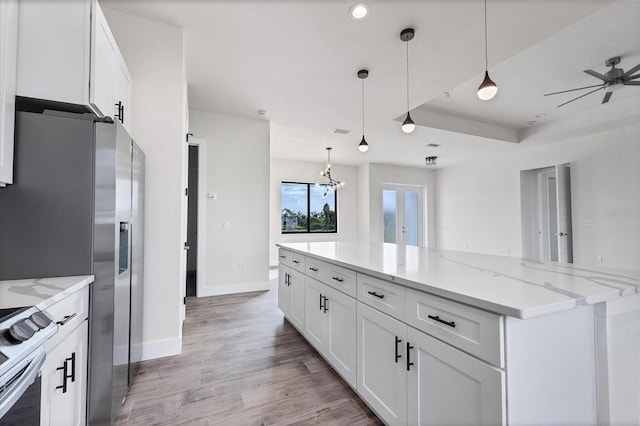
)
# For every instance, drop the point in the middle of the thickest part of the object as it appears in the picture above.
(40, 292)
(504, 285)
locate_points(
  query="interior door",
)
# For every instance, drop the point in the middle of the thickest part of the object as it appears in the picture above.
(563, 197)
(402, 215)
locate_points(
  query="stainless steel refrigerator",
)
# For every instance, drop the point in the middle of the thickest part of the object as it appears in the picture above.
(76, 208)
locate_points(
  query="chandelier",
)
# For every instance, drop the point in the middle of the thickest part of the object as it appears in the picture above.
(333, 184)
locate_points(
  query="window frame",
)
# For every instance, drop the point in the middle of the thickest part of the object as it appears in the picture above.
(308, 231)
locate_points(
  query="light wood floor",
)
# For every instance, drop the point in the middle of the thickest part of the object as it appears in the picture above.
(241, 364)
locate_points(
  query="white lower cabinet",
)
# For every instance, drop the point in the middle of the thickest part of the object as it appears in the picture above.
(64, 380)
(331, 327)
(291, 295)
(447, 386)
(382, 375)
(409, 377)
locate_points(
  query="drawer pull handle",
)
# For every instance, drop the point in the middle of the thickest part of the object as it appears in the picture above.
(337, 279)
(437, 318)
(373, 293)
(283, 257)
(398, 355)
(295, 261)
(66, 319)
(65, 376)
(409, 363)
(313, 269)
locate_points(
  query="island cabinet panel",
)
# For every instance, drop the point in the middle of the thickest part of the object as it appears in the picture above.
(447, 386)
(291, 290)
(382, 364)
(475, 331)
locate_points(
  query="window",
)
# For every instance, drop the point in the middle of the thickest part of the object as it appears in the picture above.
(307, 208)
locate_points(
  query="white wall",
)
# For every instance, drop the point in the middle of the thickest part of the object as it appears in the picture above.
(478, 205)
(237, 222)
(380, 174)
(300, 171)
(153, 52)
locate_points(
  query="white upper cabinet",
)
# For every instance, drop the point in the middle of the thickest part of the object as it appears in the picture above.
(8, 53)
(67, 53)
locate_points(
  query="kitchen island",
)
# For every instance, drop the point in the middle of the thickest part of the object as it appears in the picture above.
(434, 336)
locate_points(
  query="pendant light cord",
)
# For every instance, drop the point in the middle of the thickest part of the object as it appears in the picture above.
(407, 75)
(363, 107)
(486, 60)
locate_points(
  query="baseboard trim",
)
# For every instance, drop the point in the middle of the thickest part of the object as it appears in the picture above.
(161, 348)
(219, 290)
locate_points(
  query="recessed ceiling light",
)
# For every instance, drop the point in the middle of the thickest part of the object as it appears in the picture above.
(359, 11)
(262, 112)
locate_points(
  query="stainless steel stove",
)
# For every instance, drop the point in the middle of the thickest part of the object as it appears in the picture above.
(23, 333)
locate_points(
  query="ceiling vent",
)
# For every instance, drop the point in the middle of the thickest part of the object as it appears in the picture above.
(340, 131)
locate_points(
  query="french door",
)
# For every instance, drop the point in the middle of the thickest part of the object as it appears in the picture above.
(402, 214)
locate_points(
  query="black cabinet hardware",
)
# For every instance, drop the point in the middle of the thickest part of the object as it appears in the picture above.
(73, 367)
(337, 279)
(283, 257)
(321, 301)
(373, 293)
(398, 355)
(313, 269)
(66, 319)
(295, 261)
(120, 113)
(409, 363)
(437, 318)
(326, 308)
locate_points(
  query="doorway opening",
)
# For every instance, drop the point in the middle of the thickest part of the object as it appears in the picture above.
(546, 214)
(402, 214)
(192, 221)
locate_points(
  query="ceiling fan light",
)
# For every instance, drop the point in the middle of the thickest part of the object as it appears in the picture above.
(408, 125)
(363, 146)
(488, 88)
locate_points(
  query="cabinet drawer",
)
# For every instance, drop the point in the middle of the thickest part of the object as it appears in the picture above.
(68, 314)
(297, 261)
(316, 269)
(475, 331)
(382, 295)
(284, 257)
(342, 279)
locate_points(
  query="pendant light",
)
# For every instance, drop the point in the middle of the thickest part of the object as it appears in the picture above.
(332, 184)
(363, 146)
(488, 88)
(408, 125)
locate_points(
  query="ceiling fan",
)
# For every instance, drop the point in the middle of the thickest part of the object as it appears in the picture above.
(613, 80)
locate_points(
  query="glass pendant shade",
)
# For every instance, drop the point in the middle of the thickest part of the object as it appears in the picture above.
(408, 125)
(488, 88)
(364, 146)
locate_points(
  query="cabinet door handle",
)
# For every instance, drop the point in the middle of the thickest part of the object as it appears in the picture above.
(73, 367)
(337, 279)
(437, 318)
(295, 261)
(313, 269)
(326, 308)
(373, 293)
(409, 363)
(122, 115)
(320, 301)
(398, 355)
(63, 386)
(66, 319)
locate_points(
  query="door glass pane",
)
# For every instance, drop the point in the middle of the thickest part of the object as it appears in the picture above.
(389, 216)
(411, 218)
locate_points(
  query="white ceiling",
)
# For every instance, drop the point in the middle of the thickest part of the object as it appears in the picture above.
(298, 61)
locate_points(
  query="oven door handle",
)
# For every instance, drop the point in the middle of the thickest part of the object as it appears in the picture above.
(22, 383)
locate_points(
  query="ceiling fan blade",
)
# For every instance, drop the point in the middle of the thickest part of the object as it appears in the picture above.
(631, 71)
(572, 90)
(581, 96)
(633, 77)
(597, 75)
(631, 83)
(606, 98)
